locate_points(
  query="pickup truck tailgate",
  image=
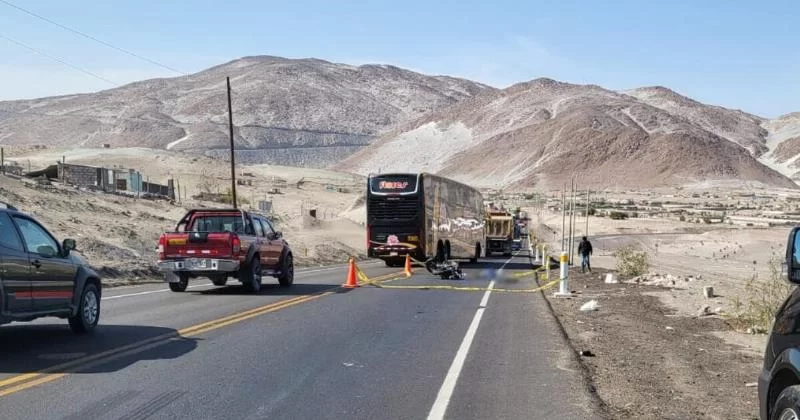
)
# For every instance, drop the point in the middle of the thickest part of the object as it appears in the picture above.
(198, 244)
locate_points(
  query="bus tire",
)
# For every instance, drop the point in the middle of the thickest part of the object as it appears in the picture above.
(440, 252)
(474, 259)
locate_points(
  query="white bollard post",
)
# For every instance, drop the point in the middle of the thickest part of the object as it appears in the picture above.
(546, 261)
(563, 287)
(536, 259)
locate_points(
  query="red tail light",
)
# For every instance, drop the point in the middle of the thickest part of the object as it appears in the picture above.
(162, 242)
(236, 245)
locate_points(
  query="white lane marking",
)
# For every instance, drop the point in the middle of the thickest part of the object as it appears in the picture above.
(150, 292)
(449, 385)
(486, 294)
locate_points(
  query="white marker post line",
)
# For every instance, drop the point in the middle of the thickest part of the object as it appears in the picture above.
(446, 391)
(150, 292)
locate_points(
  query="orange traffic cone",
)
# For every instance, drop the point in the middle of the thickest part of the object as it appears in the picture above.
(351, 281)
(408, 266)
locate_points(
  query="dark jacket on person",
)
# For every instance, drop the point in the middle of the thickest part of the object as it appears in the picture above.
(585, 248)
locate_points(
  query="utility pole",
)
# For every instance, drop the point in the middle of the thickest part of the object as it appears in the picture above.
(233, 159)
(563, 218)
(587, 213)
(572, 220)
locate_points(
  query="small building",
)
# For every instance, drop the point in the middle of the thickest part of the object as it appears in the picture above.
(80, 175)
(108, 179)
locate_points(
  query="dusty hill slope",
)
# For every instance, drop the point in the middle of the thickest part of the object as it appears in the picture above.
(299, 112)
(543, 131)
(775, 142)
(734, 125)
(783, 142)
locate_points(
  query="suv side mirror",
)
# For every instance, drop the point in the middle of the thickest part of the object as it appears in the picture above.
(68, 245)
(791, 266)
(278, 234)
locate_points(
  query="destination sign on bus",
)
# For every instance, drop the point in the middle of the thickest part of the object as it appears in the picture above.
(393, 184)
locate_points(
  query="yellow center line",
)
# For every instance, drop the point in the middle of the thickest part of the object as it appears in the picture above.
(30, 380)
(83, 360)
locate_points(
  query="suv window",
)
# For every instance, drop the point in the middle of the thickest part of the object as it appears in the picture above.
(8, 234)
(267, 226)
(34, 235)
(259, 228)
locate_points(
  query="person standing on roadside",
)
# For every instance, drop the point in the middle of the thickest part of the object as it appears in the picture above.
(585, 250)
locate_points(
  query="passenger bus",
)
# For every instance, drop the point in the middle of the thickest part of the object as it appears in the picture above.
(423, 215)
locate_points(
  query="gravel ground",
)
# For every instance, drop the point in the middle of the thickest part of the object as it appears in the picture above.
(649, 362)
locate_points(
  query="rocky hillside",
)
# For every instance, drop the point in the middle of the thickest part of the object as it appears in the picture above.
(783, 141)
(734, 125)
(298, 112)
(541, 132)
(776, 143)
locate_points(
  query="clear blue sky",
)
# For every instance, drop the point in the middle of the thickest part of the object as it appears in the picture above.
(735, 53)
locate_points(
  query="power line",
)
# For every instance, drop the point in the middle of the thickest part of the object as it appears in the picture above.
(92, 38)
(57, 59)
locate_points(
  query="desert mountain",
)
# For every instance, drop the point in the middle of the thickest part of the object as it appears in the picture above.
(304, 112)
(783, 142)
(774, 142)
(734, 125)
(540, 133)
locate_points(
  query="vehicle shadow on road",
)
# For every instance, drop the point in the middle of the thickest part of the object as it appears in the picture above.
(273, 290)
(32, 348)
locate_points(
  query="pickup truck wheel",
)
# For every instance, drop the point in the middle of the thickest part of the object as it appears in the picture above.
(287, 272)
(88, 311)
(181, 285)
(252, 278)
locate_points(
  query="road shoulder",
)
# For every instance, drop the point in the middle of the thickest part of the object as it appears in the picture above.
(646, 360)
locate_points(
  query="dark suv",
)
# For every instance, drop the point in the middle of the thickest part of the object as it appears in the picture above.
(41, 278)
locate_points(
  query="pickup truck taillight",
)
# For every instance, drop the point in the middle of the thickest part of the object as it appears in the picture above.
(236, 245)
(162, 242)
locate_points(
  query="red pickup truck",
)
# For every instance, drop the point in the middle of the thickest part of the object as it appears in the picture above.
(223, 243)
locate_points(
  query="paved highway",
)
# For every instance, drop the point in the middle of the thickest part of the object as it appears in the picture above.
(312, 351)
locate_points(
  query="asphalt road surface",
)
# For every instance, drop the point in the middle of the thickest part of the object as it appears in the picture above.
(312, 351)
